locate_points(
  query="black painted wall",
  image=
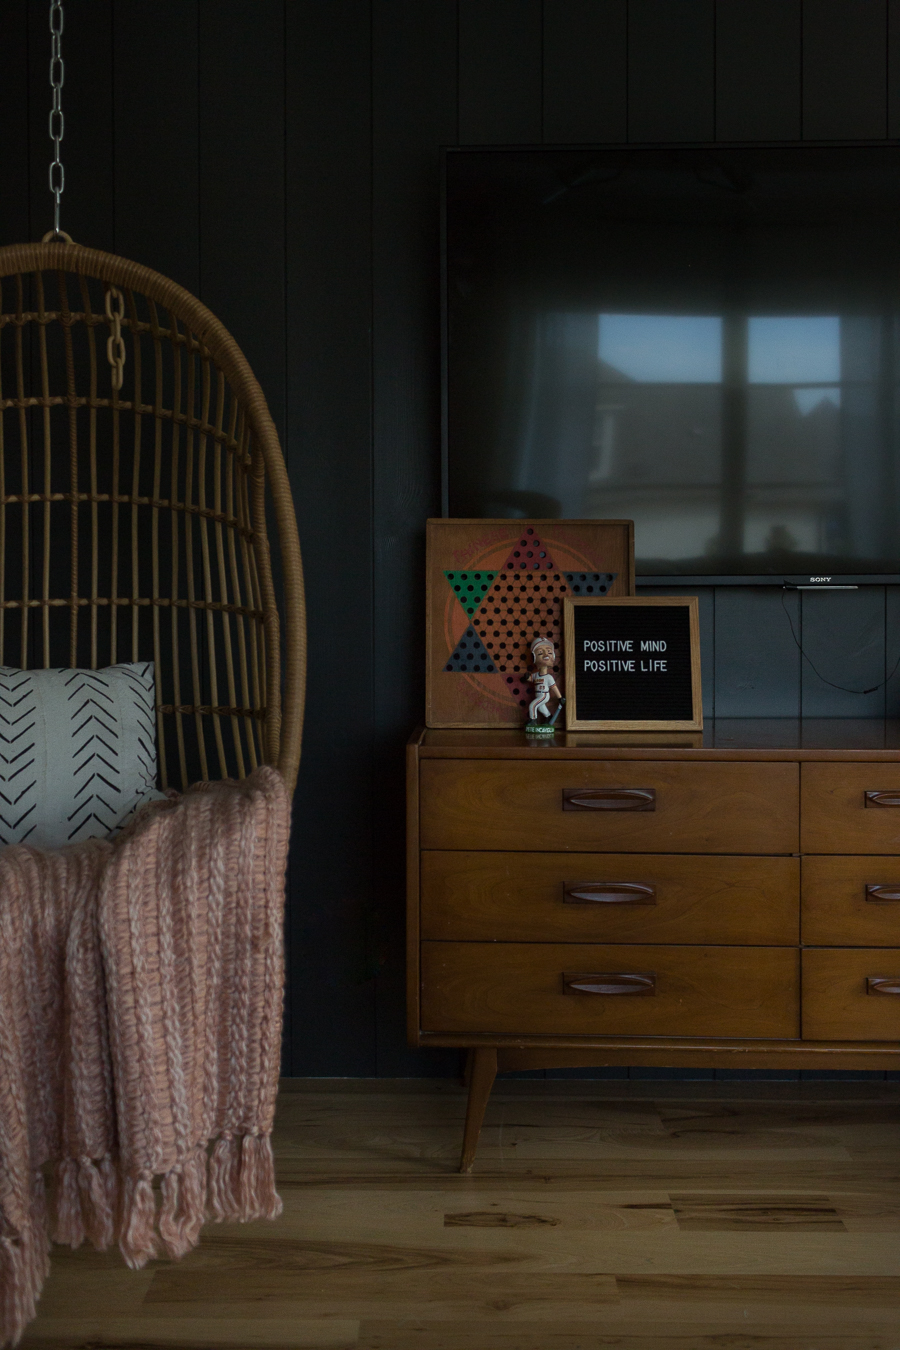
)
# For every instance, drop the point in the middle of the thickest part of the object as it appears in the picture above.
(280, 159)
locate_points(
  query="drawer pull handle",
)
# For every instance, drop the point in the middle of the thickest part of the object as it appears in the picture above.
(610, 983)
(609, 799)
(882, 892)
(883, 798)
(611, 893)
(883, 984)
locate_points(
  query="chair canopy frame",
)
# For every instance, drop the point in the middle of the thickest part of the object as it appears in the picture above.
(133, 520)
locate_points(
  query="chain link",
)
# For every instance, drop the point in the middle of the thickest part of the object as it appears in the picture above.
(57, 121)
(115, 344)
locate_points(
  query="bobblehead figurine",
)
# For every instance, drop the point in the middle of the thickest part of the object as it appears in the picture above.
(543, 656)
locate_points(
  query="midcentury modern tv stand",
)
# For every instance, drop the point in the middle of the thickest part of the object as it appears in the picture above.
(730, 899)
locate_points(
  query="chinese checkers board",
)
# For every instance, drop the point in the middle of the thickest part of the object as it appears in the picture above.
(493, 586)
(633, 665)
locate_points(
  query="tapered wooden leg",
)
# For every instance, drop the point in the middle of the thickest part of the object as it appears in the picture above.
(482, 1070)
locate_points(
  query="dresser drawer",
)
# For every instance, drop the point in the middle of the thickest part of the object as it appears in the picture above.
(850, 808)
(851, 994)
(617, 807)
(850, 902)
(609, 897)
(521, 988)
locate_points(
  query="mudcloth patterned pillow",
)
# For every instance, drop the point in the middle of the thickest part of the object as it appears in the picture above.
(77, 751)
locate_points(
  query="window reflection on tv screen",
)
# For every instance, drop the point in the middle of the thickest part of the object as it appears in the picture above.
(703, 341)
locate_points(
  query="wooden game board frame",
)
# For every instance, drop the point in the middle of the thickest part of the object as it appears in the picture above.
(456, 544)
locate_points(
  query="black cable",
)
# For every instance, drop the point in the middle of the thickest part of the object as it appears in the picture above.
(842, 687)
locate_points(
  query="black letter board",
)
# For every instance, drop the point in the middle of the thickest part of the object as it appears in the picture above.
(633, 664)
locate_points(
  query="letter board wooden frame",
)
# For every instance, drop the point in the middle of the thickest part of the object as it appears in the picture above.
(632, 663)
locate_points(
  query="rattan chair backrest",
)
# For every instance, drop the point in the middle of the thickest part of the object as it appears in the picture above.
(134, 521)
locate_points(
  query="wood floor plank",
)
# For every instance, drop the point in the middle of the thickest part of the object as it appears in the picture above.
(785, 1290)
(181, 1333)
(419, 1215)
(780, 1115)
(615, 1174)
(376, 1090)
(498, 1146)
(438, 1290)
(535, 1211)
(631, 1320)
(382, 1335)
(707, 1213)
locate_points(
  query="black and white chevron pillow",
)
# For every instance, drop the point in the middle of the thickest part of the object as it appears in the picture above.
(77, 751)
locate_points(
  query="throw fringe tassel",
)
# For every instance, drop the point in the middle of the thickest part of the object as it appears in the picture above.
(137, 1240)
(223, 1175)
(24, 1266)
(85, 1202)
(170, 1220)
(110, 1177)
(97, 1184)
(242, 1179)
(39, 1209)
(183, 1204)
(195, 1185)
(69, 1219)
(258, 1196)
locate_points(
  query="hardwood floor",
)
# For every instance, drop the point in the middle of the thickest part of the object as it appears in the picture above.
(600, 1215)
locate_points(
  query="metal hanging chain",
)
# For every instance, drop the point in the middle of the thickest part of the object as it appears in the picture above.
(57, 121)
(115, 344)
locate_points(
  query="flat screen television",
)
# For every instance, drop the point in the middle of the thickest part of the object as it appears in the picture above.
(703, 340)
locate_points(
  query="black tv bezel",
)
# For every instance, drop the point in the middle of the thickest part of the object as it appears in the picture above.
(791, 581)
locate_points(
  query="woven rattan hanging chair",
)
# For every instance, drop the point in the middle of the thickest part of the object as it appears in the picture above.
(134, 520)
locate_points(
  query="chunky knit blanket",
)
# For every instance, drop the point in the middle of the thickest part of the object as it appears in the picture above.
(140, 1020)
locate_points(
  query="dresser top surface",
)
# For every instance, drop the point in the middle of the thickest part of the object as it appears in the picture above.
(751, 738)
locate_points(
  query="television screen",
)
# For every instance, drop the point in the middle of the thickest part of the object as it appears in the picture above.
(706, 341)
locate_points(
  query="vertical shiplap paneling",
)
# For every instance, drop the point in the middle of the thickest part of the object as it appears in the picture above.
(844, 69)
(585, 71)
(499, 71)
(15, 227)
(757, 661)
(758, 70)
(843, 637)
(242, 226)
(893, 68)
(157, 168)
(671, 70)
(414, 100)
(329, 452)
(87, 211)
(706, 596)
(241, 183)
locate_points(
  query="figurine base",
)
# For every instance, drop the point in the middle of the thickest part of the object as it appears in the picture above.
(540, 729)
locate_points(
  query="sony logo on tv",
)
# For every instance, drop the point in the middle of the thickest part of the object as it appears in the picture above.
(820, 578)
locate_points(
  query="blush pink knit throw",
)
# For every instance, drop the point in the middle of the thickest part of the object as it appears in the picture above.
(140, 1022)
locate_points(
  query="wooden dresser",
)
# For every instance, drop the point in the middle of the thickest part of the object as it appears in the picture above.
(730, 899)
